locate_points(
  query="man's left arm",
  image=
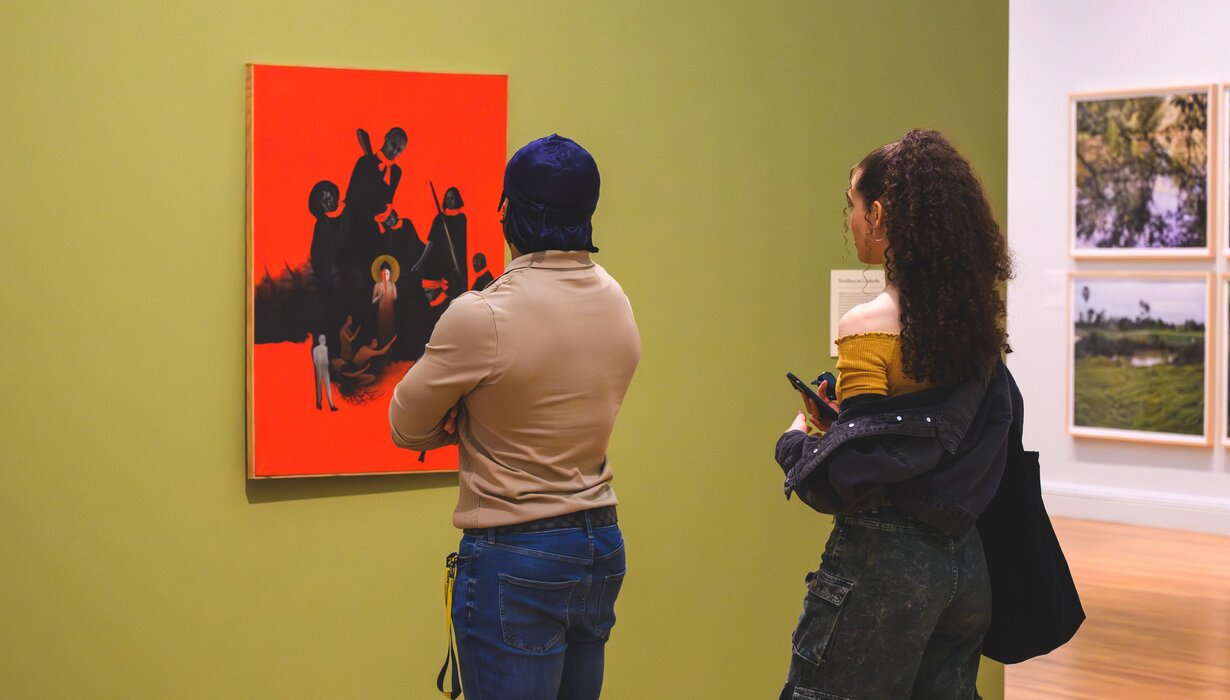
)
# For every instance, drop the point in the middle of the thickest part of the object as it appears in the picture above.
(459, 356)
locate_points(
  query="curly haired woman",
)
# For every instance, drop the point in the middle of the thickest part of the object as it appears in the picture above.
(902, 599)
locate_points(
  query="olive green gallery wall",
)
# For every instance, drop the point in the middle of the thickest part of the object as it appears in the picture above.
(139, 562)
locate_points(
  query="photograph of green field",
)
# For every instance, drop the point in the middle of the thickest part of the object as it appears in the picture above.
(1139, 353)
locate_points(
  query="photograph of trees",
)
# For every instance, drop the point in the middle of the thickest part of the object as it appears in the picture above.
(1139, 353)
(1142, 174)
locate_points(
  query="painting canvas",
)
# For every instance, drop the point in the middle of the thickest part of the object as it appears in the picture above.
(1141, 171)
(1139, 356)
(371, 205)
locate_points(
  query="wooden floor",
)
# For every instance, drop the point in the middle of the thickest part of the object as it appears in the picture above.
(1158, 618)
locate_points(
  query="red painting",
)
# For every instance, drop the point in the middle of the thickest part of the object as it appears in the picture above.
(371, 205)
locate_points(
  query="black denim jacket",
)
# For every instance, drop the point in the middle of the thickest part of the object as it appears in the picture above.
(937, 454)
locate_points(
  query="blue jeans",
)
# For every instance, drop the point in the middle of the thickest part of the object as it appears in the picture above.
(533, 612)
(897, 609)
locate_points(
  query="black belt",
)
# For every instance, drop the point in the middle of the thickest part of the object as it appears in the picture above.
(596, 517)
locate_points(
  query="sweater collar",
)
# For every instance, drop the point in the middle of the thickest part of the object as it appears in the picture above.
(553, 260)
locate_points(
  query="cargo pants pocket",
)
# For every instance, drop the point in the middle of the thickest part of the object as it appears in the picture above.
(826, 594)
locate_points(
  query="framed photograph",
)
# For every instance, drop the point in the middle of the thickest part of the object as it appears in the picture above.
(371, 205)
(1142, 171)
(1221, 147)
(1140, 360)
(1223, 355)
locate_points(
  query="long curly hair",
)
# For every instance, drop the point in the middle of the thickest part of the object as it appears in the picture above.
(946, 255)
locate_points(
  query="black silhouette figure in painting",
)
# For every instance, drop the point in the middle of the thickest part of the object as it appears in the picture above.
(401, 240)
(482, 276)
(322, 201)
(373, 182)
(442, 264)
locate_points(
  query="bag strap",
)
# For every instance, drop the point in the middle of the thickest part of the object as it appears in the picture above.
(1016, 431)
(450, 574)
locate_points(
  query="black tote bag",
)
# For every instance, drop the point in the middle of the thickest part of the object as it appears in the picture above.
(1035, 607)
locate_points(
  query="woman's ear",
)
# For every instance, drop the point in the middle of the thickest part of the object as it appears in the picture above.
(877, 215)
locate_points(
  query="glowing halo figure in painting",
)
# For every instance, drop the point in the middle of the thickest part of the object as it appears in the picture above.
(385, 271)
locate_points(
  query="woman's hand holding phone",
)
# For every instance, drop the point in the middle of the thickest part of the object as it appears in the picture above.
(821, 416)
(813, 411)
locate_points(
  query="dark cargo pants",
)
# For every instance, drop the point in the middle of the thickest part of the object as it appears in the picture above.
(897, 609)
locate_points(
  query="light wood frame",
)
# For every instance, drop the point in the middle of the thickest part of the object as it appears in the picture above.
(1213, 202)
(1210, 367)
(1223, 168)
(250, 289)
(1222, 348)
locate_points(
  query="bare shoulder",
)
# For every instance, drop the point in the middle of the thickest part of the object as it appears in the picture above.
(880, 315)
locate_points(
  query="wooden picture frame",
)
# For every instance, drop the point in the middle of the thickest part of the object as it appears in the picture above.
(1220, 144)
(1112, 396)
(1104, 220)
(1222, 364)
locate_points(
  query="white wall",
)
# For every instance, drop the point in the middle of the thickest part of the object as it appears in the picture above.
(1058, 47)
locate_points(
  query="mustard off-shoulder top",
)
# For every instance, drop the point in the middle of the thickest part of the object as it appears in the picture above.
(870, 363)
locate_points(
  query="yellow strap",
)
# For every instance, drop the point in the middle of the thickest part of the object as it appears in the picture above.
(450, 571)
(450, 574)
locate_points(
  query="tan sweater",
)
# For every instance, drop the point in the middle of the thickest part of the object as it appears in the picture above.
(540, 361)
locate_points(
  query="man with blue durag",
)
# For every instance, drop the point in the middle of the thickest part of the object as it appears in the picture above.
(526, 377)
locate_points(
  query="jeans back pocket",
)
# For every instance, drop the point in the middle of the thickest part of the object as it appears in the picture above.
(606, 604)
(534, 614)
(817, 627)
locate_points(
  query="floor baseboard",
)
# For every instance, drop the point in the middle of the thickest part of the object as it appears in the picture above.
(1135, 507)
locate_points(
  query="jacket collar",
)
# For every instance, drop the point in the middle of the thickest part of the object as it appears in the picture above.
(953, 408)
(553, 260)
(946, 414)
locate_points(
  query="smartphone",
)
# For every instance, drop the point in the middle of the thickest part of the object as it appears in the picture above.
(826, 411)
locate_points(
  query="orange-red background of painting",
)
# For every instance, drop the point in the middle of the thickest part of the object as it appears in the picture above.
(303, 123)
